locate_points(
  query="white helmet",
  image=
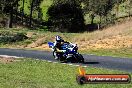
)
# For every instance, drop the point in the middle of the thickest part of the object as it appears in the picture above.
(59, 39)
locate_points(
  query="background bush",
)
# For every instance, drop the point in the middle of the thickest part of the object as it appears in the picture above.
(8, 37)
(66, 16)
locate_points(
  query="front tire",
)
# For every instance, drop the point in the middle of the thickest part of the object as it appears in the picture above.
(81, 59)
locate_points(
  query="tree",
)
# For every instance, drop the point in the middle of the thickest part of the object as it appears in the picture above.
(31, 11)
(23, 4)
(117, 4)
(1, 5)
(34, 6)
(40, 14)
(8, 8)
(129, 7)
(66, 16)
(98, 7)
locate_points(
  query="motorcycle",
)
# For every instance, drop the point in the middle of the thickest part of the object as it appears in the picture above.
(69, 53)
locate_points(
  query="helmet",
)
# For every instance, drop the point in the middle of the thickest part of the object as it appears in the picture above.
(58, 39)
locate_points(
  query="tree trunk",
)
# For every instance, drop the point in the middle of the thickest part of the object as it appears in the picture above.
(117, 9)
(16, 12)
(23, 10)
(130, 7)
(31, 11)
(11, 17)
(100, 21)
(92, 18)
(92, 21)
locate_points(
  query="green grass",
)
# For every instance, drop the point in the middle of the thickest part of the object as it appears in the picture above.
(29, 73)
(40, 33)
(126, 53)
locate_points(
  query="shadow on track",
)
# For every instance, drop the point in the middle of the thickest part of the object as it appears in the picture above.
(91, 63)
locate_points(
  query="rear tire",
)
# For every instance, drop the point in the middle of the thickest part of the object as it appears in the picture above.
(73, 60)
(60, 58)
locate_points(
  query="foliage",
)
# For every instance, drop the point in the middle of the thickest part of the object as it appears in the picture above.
(32, 13)
(66, 16)
(8, 37)
(103, 8)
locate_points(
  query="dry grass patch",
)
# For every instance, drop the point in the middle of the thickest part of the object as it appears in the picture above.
(119, 36)
(43, 47)
(6, 60)
(37, 43)
(114, 42)
(30, 34)
(122, 29)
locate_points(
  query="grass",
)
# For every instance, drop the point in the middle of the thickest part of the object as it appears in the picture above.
(115, 40)
(124, 53)
(88, 42)
(29, 73)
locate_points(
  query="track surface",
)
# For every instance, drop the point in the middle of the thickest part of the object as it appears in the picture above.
(124, 64)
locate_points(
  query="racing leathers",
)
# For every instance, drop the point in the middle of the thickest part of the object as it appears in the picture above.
(58, 48)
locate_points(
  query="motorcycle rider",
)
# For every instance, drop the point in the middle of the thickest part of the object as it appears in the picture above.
(57, 45)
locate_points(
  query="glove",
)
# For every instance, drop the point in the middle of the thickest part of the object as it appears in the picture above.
(67, 42)
(57, 50)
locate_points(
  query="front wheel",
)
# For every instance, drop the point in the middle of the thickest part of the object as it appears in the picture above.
(80, 58)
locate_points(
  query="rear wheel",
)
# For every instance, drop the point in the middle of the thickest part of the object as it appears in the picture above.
(60, 56)
(73, 60)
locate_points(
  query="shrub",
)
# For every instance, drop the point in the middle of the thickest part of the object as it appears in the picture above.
(10, 37)
(66, 16)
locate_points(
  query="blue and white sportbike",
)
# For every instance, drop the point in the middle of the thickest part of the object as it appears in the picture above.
(69, 53)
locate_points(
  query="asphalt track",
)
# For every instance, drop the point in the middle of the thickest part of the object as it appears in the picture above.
(124, 64)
